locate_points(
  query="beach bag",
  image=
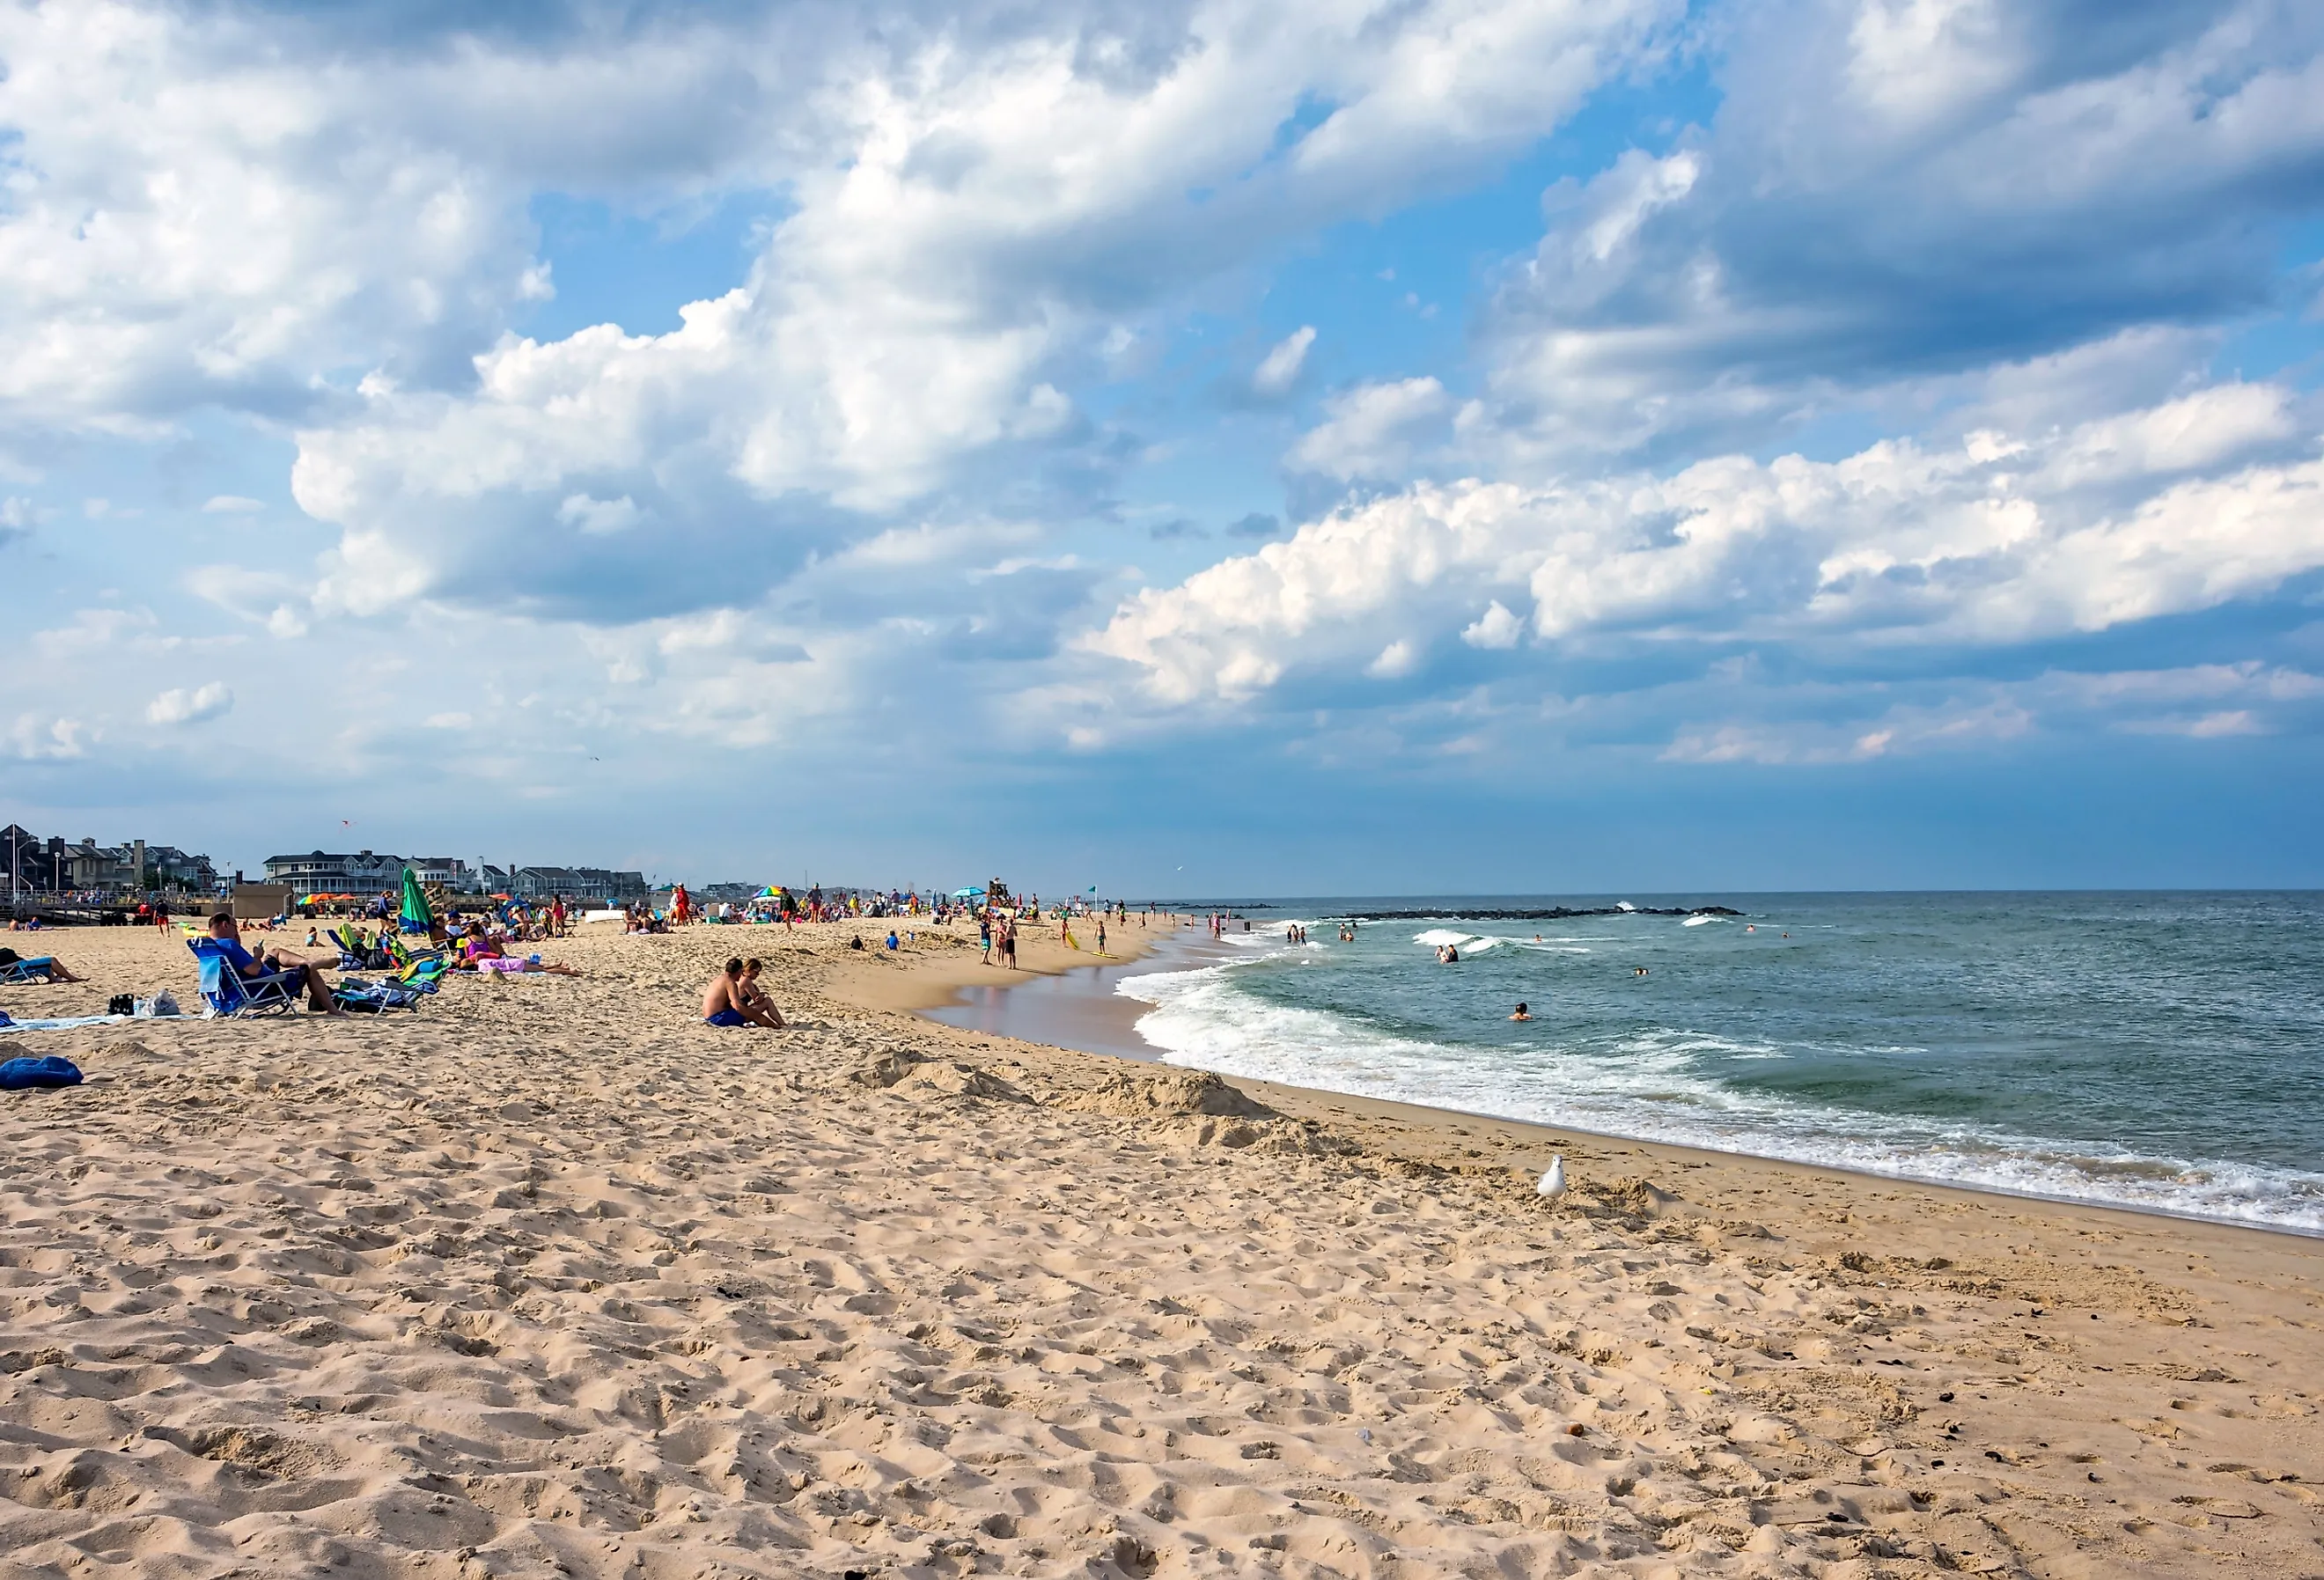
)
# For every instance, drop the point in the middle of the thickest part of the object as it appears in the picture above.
(121, 1004)
(18, 1074)
(161, 1006)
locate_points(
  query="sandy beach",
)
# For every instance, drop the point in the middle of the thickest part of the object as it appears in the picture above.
(550, 1278)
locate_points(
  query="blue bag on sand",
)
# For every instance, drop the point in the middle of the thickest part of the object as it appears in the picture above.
(51, 1071)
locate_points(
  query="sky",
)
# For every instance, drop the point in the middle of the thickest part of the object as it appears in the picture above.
(1362, 446)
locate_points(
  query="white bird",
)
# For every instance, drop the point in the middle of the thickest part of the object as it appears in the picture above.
(1553, 1184)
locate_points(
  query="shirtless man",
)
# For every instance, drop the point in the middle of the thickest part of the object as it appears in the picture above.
(720, 1005)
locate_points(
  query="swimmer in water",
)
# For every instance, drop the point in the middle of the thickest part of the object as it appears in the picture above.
(1637, 971)
(1523, 1014)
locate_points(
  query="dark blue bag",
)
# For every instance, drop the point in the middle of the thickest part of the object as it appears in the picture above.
(20, 1073)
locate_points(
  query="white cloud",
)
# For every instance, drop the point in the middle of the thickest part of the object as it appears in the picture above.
(971, 220)
(1495, 628)
(1896, 732)
(32, 737)
(1279, 369)
(1898, 191)
(231, 504)
(1895, 544)
(598, 517)
(279, 602)
(1399, 658)
(181, 706)
(1372, 429)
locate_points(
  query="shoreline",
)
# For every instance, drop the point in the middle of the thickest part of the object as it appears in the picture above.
(925, 975)
(1121, 1015)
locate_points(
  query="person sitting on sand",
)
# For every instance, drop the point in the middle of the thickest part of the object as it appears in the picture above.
(754, 999)
(726, 1001)
(856, 943)
(229, 938)
(720, 1004)
(43, 966)
(1523, 1014)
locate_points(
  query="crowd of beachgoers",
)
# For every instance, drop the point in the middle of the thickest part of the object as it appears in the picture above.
(410, 943)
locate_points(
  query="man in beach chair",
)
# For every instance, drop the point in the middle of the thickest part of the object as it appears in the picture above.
(236, 982)
(16, 968)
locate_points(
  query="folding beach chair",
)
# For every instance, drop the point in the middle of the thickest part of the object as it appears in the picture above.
(229, 992)
(357, 953)
(21, 971)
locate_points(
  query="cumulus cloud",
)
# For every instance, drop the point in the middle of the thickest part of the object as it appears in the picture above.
(1893, 190)
(1495, 628)
(979, 213)
(1997, 540)
(32, 737)
(1372, 430)
(183, 706)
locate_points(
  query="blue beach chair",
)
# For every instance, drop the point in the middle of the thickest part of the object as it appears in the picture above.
(22, 971)
(230, 993)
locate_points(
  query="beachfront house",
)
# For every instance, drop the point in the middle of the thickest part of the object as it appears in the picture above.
(363, 873)
(29, 864)
(594, 885)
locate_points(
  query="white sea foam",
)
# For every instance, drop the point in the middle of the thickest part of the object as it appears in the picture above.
(1652, 1087)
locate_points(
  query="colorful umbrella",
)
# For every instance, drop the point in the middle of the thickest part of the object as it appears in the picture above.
(415, 917)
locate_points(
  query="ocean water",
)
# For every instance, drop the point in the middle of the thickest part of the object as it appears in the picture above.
(2163, 1051)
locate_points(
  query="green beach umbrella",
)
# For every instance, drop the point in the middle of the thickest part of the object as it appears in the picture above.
(417, 918)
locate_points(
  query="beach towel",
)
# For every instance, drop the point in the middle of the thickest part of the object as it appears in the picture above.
(66, 1024)
(19, 1073)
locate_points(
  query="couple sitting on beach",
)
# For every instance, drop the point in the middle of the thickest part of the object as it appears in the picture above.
(735, 998)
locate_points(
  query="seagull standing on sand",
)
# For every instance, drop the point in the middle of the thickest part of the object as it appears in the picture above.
(1553, 1184)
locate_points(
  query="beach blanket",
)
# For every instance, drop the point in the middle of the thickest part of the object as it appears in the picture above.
(18, 1074)
(64, 1025)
